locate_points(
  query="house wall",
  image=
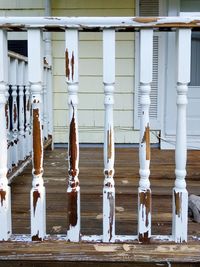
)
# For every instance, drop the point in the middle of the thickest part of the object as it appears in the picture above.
(91, 97)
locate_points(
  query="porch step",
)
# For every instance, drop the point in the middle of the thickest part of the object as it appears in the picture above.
(63, 253)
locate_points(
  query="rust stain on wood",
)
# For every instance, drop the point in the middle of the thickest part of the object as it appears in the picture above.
(37, 146)
(45, 60)
(146, 139)
(108, 173)
(112, 206)
(72, 146)
(3, 196)
(72, 65)
(36, 195)
(72, 209)
(144, 238)
(145, 19)
(177, 199)
(145, 201)
(67, 70)
(15, 113)
(36, 237)
(109, 144)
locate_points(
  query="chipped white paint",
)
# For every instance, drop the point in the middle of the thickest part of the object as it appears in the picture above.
(180, 194)
(73, 190)
(22, 140)
(144, 191)
(109, 153)
(105, 248)
(37, 194)
(100, 22)
(13, 80)
(5, 195)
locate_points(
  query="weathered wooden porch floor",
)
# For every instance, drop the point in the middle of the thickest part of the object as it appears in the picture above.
(91, 181)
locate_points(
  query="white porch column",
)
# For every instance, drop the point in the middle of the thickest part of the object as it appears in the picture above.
(109, 149)
(180, 194)
(5, 196)
(144, 191)
(73, 190)
(35, 74)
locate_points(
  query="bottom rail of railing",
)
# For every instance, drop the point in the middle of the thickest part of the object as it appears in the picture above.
(99, 238)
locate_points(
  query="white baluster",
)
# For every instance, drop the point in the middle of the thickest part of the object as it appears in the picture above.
(180, 194)
(45, 111)
(50, 104)
(48, 59)
(73, 190)
(35, 74)
(22, 139)
(5, 194)
(13, 81)
(9, 135)
(144, 191)
(109, 150)
(28, 109)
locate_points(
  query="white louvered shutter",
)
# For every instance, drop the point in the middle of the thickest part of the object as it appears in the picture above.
(149, 8)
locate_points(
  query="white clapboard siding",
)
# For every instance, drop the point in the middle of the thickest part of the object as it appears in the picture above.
(149, 8)
(91, 99)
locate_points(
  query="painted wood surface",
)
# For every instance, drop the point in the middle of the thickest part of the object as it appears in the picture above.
(144, 191)
(5, 194)
(180, 194)
(73, 189)
(35, 76)
(109, 149)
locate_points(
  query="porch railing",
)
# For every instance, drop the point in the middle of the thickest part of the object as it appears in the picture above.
(32, 83)
(18, 113)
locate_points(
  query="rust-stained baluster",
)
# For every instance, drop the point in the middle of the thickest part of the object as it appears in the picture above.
(109, 153)
(13, 79)
(37, 195)
(5, 196)
(73, 190)
(144, 191)
(180, 194)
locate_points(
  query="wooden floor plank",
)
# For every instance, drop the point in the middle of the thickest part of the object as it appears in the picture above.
(91, 181)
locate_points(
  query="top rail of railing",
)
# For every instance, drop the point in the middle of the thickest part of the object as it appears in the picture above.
(99, 23)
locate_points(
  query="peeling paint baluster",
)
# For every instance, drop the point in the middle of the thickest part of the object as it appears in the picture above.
(109, 153)
(13, 81)
(144, 191)
(22, 140)
(180, 194)
(37, 195)
(5, 194)
(28, 108)
(73, 190)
